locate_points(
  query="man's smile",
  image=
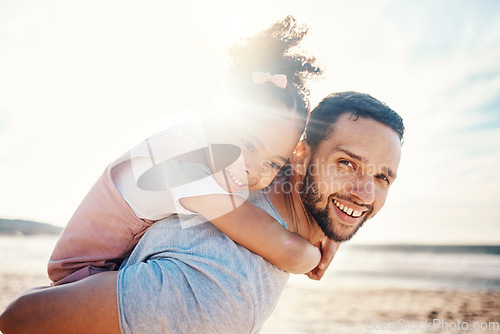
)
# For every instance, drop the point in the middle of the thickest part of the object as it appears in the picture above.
(347, 209)
(349, 213)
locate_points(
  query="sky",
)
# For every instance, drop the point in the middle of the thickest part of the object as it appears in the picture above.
(82, 82)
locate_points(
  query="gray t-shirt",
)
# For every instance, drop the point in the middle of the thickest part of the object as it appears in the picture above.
(197, 280)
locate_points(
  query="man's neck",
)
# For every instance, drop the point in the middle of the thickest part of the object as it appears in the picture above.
(295, 215)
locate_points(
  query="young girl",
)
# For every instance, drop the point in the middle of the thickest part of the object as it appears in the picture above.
(205, 168)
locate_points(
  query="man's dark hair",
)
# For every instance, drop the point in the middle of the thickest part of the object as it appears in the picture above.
(326, 113)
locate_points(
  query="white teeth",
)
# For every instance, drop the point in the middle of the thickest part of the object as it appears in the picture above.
(238, 182)
(347, 210)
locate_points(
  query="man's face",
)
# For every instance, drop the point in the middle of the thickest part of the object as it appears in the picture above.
(350, 174)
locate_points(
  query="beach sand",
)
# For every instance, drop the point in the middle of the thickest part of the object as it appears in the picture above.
(323, 307)
(326, 308)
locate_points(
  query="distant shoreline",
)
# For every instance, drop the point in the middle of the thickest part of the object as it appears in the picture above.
(18, 227)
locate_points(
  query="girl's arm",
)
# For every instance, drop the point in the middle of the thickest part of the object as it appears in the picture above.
(257, 231)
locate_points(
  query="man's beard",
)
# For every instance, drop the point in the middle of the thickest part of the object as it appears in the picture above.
(311, 197)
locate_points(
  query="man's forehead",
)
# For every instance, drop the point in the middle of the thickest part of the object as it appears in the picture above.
(352, 126)
(366, 140)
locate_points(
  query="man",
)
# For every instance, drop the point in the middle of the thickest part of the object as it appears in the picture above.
(197, 279)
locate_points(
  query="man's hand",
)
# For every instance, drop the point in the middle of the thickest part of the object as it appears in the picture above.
(328, 250)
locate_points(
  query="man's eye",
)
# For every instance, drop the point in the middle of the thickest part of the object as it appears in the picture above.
(347, 163)
(249, 146)
(383, 178)
(274, 165)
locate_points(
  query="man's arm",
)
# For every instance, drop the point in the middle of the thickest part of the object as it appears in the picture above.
(87, 306)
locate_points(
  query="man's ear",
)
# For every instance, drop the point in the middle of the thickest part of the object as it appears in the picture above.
(300, 158)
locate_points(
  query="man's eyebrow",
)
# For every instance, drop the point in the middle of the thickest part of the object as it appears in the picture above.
(349, 153)
(385, 168)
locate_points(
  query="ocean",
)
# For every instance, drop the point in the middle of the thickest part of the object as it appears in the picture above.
(25, 254)
(404, 266)
(437, 267)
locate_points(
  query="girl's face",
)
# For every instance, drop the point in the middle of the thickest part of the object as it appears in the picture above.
(266, 140)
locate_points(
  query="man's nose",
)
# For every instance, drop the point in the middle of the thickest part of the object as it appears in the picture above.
(364, 189)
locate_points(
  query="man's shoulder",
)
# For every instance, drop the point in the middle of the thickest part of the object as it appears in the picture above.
(198, 267)
(260, 199)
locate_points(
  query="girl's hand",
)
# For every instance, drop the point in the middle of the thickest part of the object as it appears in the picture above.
(328, 250)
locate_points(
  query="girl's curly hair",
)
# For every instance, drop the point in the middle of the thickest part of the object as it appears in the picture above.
(275, 50)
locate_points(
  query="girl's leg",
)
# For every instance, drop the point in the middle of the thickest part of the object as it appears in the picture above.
(86, 306)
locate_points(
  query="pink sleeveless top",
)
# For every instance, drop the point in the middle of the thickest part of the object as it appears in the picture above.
(100, 234)
(104, 229)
